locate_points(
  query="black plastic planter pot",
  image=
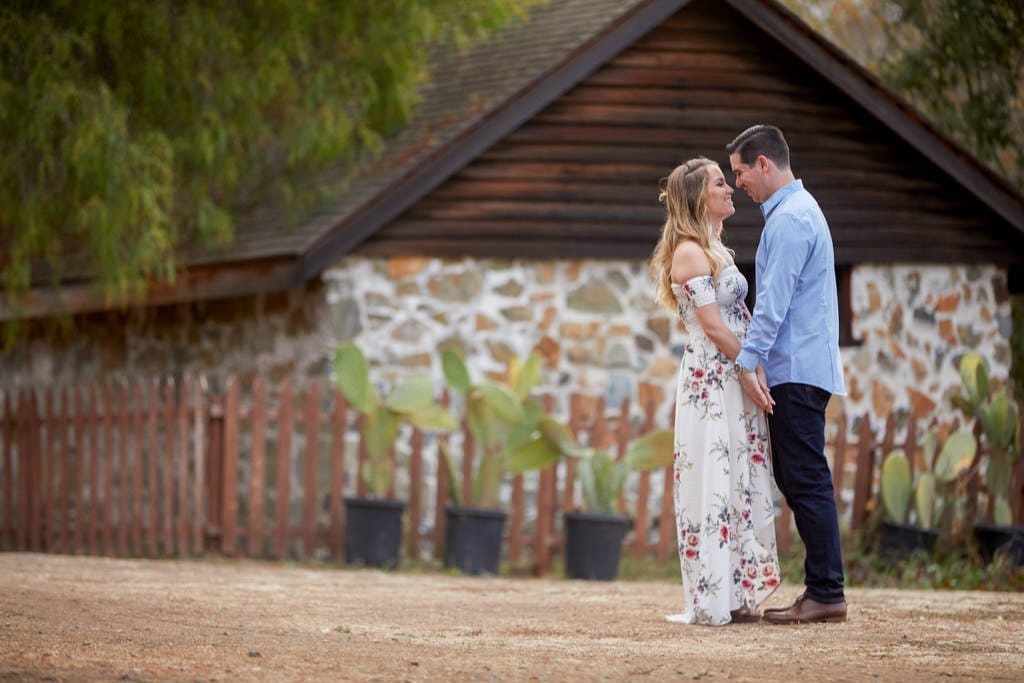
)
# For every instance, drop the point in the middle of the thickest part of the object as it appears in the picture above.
(373, 531)
(897, 541)
(593, 545)
(1001, 539)
(472, 539)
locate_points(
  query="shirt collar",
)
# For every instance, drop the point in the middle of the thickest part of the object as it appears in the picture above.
(780, 194)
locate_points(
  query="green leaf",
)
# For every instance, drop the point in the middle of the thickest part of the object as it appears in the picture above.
(896, 485)
(528, 376)
(489, 472)
(380, 430)
(354, 377)
(560, 437)
(455, 372)
(924, 500)
(974, 376)
(601, 480)
(412, 394)
(956, 455)
(454, 490)
(1002, 514)
(536, 454)
(524, 430)
(654, 450)
(929, 448)
(998, 473)
(502, 401)
(434, 418)
(1000, 420)
(376, 474)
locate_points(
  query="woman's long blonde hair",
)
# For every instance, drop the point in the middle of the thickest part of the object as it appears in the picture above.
(685, 195)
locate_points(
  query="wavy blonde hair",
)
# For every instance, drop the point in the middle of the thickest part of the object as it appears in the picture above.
(685, 195)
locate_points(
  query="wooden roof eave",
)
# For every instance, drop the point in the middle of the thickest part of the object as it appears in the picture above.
(192, 284)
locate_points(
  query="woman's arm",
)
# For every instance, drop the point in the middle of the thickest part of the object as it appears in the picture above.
(689, 261)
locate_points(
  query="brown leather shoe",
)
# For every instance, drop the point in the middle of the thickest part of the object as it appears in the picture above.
(806, 611)
(744, 615)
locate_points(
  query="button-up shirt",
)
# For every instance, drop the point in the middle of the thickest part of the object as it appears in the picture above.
(795, 331)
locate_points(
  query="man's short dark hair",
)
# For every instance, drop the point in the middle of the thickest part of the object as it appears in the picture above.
(758, 140)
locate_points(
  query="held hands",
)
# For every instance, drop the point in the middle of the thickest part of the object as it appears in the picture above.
(755, 383)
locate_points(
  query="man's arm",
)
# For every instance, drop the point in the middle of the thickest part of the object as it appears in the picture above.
(788, 242)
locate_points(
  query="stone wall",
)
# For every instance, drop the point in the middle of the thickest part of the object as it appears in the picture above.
(914, 323)
(594, 322)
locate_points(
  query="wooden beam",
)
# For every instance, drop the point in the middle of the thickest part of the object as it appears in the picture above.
(229, 280)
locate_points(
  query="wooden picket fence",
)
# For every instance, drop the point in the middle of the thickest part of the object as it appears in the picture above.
(159, 469)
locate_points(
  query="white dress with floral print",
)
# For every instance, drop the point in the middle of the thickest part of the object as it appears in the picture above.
(723, 488)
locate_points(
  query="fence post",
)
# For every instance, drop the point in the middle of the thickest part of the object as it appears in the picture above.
(839, 462)
(182, 454)
(865, 474)
(1017, 485)
(108, 469)
(284, 460)
(229, 545)
(309, 494)
(199, 463)
(640, 528)
(415, 493)
(338, 424)
(257, 479)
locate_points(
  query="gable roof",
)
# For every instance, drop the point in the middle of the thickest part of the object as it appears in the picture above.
(478, 97)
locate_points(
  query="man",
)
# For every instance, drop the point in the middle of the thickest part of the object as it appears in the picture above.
(790, 362)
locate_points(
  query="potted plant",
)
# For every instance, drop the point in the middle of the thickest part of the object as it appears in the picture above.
(373, 531)
(935, 480)
(595, 531)
(999, 419)
(500, 417)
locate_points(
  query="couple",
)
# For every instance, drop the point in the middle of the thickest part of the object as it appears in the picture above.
(783, 361)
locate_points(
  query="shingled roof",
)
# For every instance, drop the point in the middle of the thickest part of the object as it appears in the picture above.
(464, 89)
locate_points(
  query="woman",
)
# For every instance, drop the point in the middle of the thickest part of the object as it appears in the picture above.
(722, 490)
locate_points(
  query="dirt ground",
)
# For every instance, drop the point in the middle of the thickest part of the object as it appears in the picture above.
(75, 618)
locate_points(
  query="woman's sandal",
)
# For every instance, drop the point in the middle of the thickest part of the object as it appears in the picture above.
(744, 615)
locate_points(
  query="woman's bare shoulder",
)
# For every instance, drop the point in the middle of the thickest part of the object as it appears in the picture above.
(689, 261)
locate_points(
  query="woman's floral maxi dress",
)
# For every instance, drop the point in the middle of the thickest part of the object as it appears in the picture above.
(722, 490)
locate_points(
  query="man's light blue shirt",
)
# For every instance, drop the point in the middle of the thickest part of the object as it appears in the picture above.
(795, 331)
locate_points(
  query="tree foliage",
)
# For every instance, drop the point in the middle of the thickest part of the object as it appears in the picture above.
(961, 62)
(133, 126)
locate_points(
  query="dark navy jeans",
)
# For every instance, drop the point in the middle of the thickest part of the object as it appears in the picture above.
(797, 428)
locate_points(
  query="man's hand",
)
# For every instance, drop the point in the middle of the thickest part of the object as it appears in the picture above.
(757, 389)
(762, 379)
